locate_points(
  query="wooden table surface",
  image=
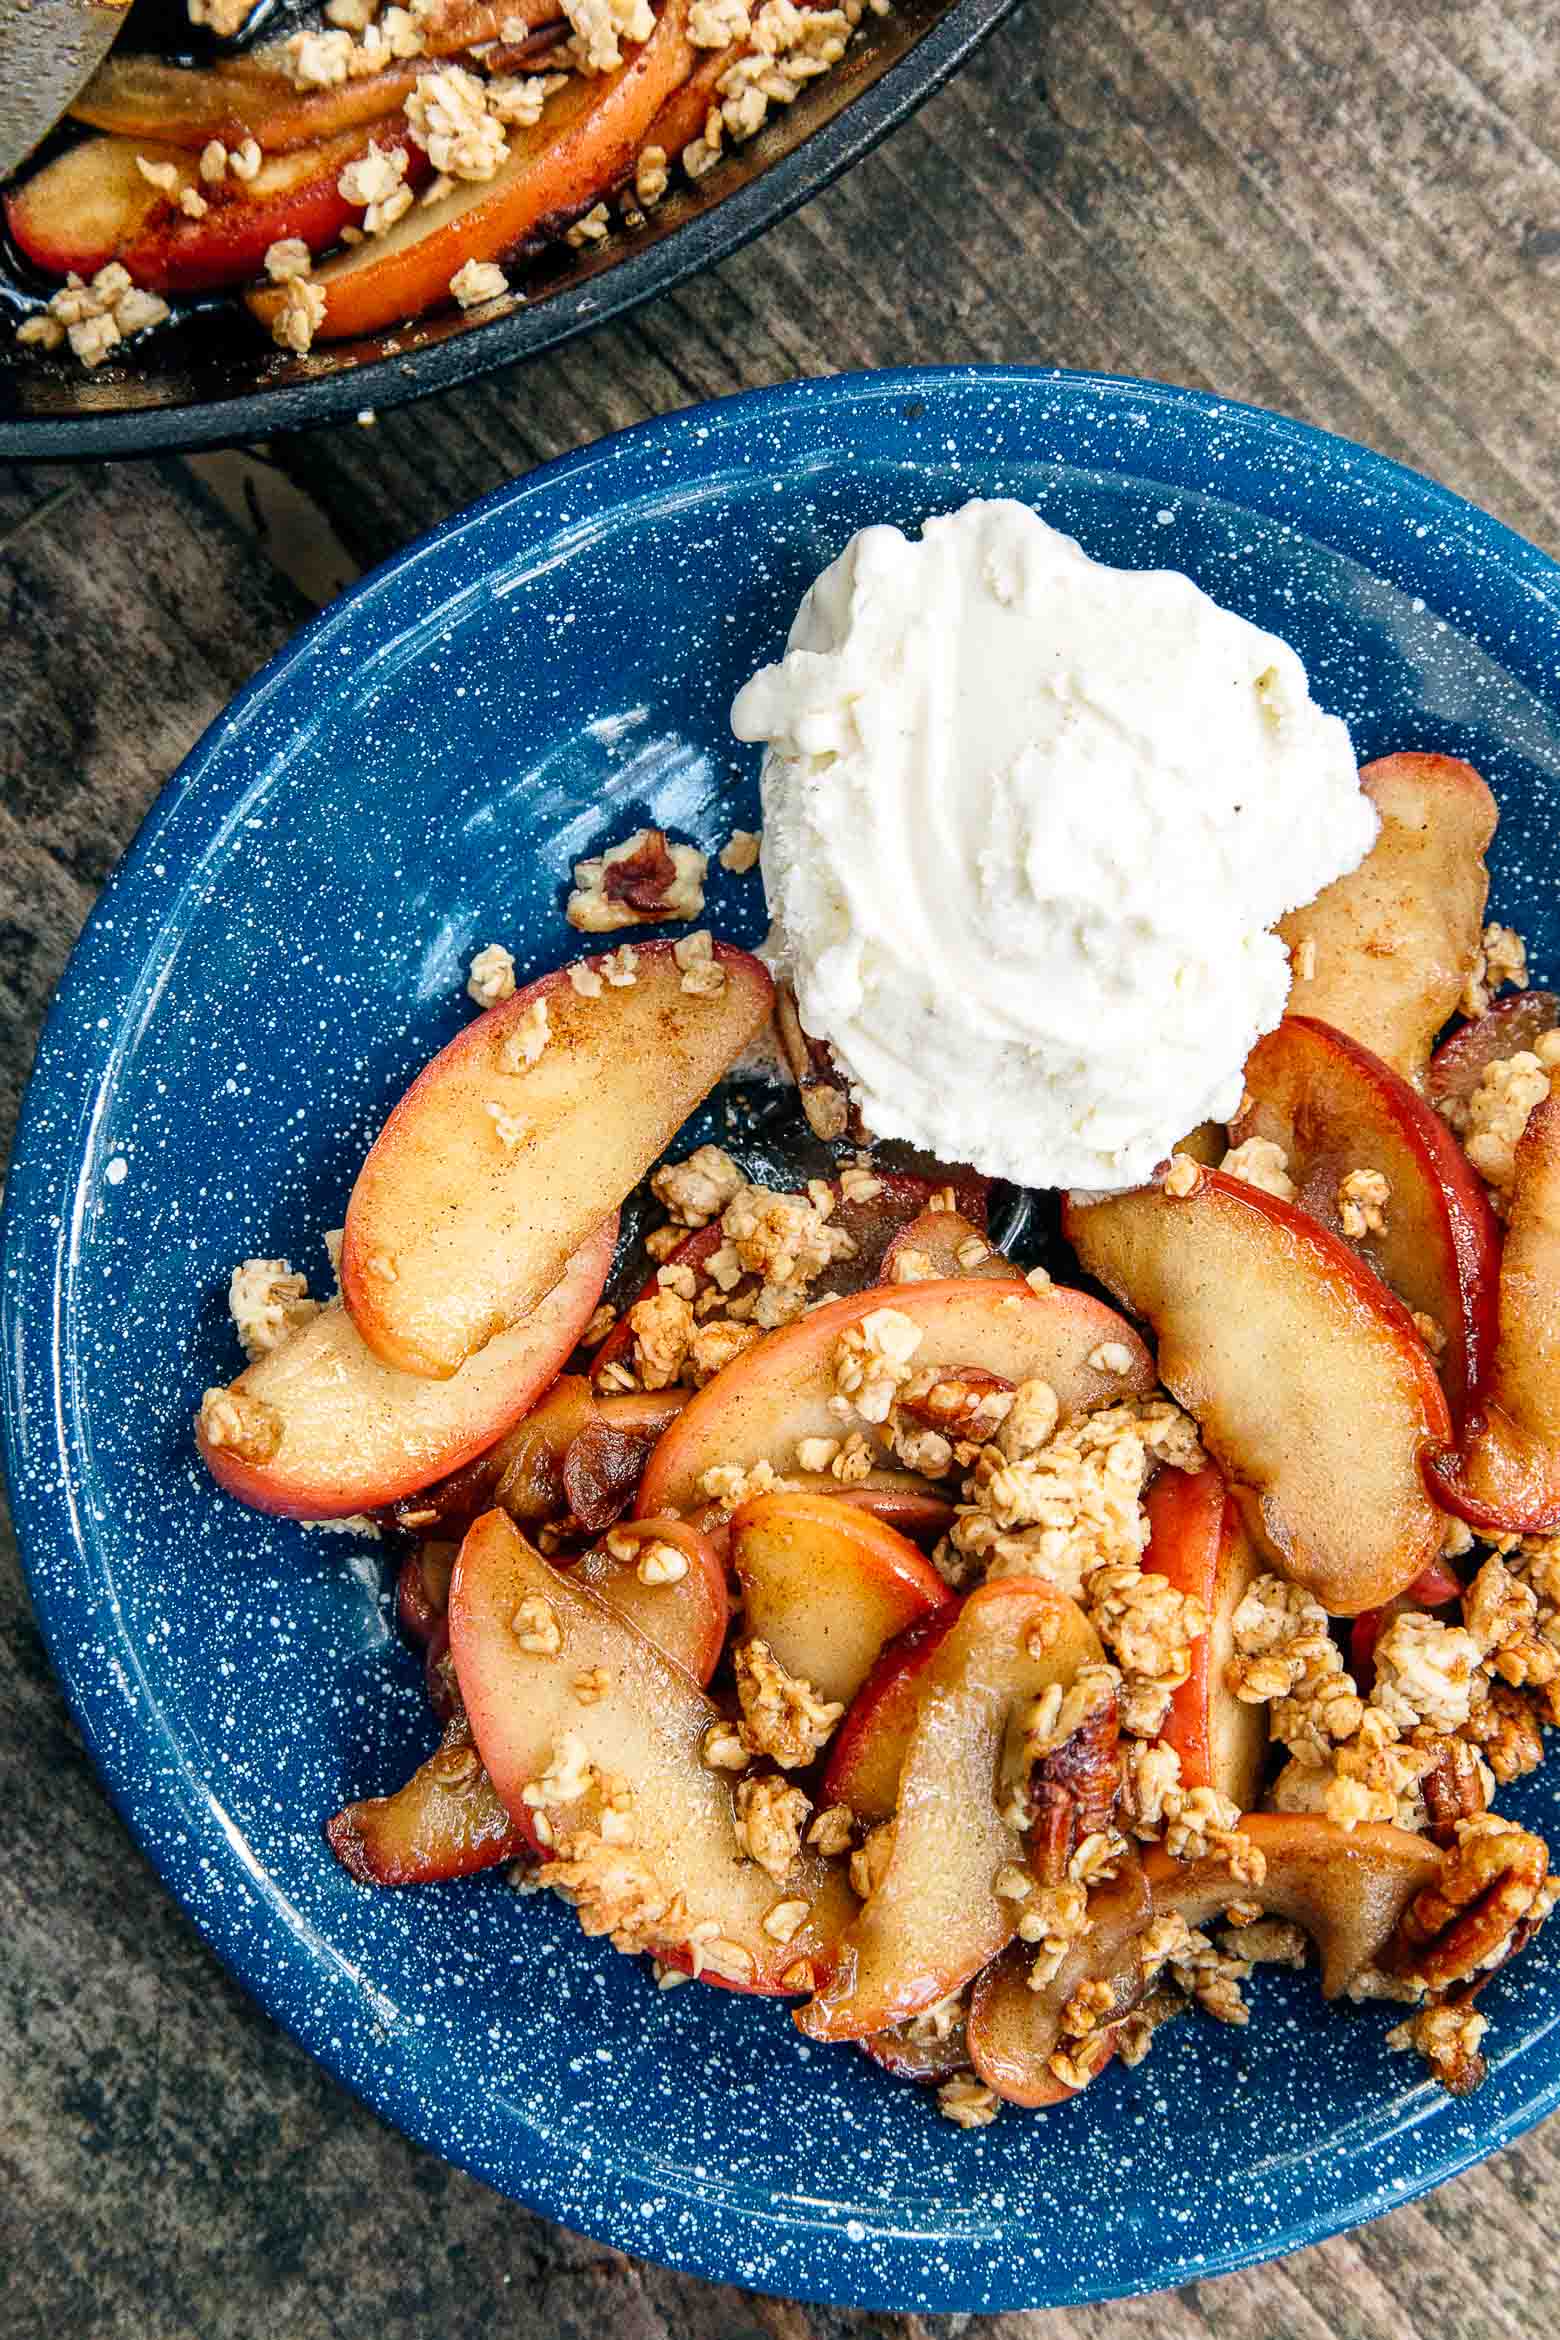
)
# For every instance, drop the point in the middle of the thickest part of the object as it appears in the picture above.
(1349, 209)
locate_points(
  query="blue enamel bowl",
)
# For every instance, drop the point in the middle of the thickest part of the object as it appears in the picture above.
(284, 944)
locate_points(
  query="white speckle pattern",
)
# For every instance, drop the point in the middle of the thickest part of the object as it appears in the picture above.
(285, 945)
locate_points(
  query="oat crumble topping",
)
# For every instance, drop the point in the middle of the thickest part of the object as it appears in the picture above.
(376, 181)
(492, 976)
(782, 1715)
(872, 1362)
(267, 1303)
(968, 2102)
(703, 975)
(769, 1816)
(300, 316)
(1054, 1919)
(739, 854)
(833, 1831)
(1501, 960)
(474, 283)
(1492, 1120)
(593, 228)
(1362, 1200)
(1260, 1163)
(240, 1425)
(526, 1038)
(652, 177)
(722, 1748)
(1448, 2038)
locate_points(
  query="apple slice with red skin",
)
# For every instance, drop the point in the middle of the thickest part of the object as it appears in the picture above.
(828, 1586)
(868, 1753)
(445, 1822)
(91, 205)
(1507, 1028)
(1396, 940)
(422, 1589)
(451, 1233)
(1347, 1887)
(1013, 2032)
(761, 1405)
(1307, 1379)
(687, 1618)
(647, 1729)
(934, 1918)
(356, 1436)
(940, 1237)
(1198, 1543)
(1334, 1108)
(583, 147)
(916, 1511)
(1506, 1477)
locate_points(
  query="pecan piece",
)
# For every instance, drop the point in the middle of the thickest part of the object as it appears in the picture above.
(1074, 1790)
(960, 1401)
(632, 884)
(1505, 1730)
(1467, 1917)
(602, 1466)
(1453, 1787)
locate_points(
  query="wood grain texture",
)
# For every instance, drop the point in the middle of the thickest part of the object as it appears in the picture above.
(1349, 209)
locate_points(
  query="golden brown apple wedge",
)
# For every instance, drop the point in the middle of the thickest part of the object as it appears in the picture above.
(1346, 1887)
(493, 1167)
(868, 1753)
(1383, 954)
(827, 1586)
(1013, 2032)
(1198, 1542)
(1506, 1028)
(1335, 1108)
(320, 1428)
(761, 1405)
(1311, 1387)
(1506, 1478)
(445, 1822)
(581, 149)
(687, 1615)
(934, 1918)
(924, 2061)
(646, 1728)
(254, 96)
(92, 205)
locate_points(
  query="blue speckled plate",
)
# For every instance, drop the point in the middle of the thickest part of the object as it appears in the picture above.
(284, 944)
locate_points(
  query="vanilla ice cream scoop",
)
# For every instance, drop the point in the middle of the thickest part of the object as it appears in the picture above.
(1029, 822)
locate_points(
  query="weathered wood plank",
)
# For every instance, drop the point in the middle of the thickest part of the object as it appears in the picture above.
(1349, 209)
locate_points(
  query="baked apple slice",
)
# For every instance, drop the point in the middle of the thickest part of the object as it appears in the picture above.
(926, 2061)
(1383, 954)
(1346, 1887)
(685, 1614)
(766, 1401)
(868, 1753)
(320, 1428)
(1311, 1387)
(92, 205)
(581, 149)
(934, 1918)
(1013, 2032)
(498, 1160)
(1335, 1108)
(445, 1822)
(827, 1586)
(1506, 1478)
(524, 1636)
(422, 1589)
(946, 1244)
(897, 1498)
(254, 96)
(1198, 1542)
(1506, 1028)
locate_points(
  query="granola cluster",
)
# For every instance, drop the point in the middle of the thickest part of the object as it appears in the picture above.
(1490, 1122)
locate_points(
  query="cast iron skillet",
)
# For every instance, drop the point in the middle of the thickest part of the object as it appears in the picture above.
(213, 378)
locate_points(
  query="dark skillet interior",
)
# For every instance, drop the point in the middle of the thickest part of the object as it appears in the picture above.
(212, 377)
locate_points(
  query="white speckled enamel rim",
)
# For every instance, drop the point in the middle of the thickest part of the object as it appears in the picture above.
(277, 949)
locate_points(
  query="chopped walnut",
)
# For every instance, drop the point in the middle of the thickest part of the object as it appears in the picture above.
(1054, 1918)
(1261, 1163)
(782, 1715)
(492, 976)
(833, 1831)
(769, 1817)
(1505, 1730)
(633, 884)
(592, 1686)
(375, 179)
(568, 1776)
(651, 180)
(241, 1425)
(1501, 1610)
(967, 2102)
(615, 1892)
(1135, 2035)
(703, 975)
(1502, 960)
(697, 1190)
(584, 979)
(267, 1303)
(660, 1564)
(722, 1748)
(786, 1919)
(1362, 1200)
